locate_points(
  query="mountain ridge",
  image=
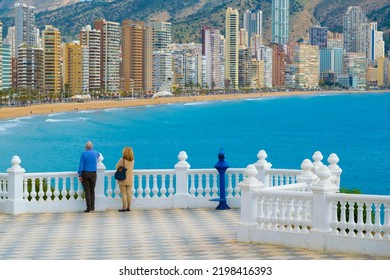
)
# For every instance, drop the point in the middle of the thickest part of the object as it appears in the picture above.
(188, 16)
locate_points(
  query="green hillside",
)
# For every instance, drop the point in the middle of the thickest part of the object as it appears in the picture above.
(188, 16)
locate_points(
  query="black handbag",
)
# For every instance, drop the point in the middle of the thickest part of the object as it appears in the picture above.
(120, 173)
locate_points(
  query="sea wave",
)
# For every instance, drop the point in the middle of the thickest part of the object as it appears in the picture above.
(196, 103)
(88, 111)
(55, 114)
(5, 127)
(66, 120)
(115, 109)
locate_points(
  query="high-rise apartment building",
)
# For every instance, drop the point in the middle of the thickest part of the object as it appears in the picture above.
(383, 71)
(1, 55)
(90, 39)
(318, 36)
(257, 73)
(137, 51)
(280, 21)
(187, 65)
(25, 26)
(331, 62)
(253, 24)
(264, 54)
(231, 46)
(306, 57)
(211, 50)
(355, 66)
(376, 45)
(109, 55)
(51, 40)
(278, 65)
(73, 68)
(244, 68)
(355, 26)
(162, 56)
(31, 69)
(6, 66)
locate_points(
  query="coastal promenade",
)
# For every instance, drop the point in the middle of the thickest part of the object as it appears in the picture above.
(154, 234)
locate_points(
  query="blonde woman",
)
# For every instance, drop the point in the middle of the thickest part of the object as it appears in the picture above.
(126, 185)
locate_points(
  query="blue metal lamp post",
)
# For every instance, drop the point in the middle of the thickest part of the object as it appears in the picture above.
(221, 166)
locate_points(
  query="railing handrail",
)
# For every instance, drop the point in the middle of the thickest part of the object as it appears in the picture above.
(345, 197)
(289, 187)
(50, 174)
(282, 171)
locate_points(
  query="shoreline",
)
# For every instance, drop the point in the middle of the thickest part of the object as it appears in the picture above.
(49, 108)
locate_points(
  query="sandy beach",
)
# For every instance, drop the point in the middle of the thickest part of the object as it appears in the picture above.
(48, 108)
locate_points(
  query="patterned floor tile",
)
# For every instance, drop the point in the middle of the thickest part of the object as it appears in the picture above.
(174, 234)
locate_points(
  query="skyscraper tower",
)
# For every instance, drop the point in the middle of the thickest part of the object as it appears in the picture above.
(90, 38)
(51, 40)
(231, 46)
(318, 36)
(253, 23)
(162, 56)
(25, 27)
(137, 56)
(280, 21)
(355, 30)
(109, 54)
(211, 49)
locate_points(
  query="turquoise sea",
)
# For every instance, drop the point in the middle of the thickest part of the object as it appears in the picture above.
(354, 126)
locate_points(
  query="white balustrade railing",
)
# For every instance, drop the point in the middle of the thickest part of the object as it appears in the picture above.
(311, 213)
(287, 211)
(52, 186)
(3, 186)
(361, 216)
(280, 177)
(204, 182)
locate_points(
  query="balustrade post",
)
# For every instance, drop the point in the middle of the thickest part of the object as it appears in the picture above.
(249, 207)
(262, 165)
(307, 176)
(336, 171)
(322, 211)
(181, 196)
(317, 158)
(100, 196)
(15, 204)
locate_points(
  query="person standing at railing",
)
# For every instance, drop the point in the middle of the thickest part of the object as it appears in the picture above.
(126, 185)
(87, 174)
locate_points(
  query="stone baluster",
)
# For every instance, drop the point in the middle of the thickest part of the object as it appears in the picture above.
(214, 188)
(140, 190)
(15, 204)
(321, 207)
(207, 188)
(317, 158)
(249, 205)
(163, 189)
(307, 176)
(147, 186)
(181, 197)
(100, 197)
(262, 165)
(229, 188)
(171, 189)
(336, 171)
(49, 192)
(155, 187)
(64, 191)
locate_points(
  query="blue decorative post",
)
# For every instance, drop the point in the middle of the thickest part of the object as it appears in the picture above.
(221, 166)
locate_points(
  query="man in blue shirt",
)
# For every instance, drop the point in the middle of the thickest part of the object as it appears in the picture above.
(87, 175)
